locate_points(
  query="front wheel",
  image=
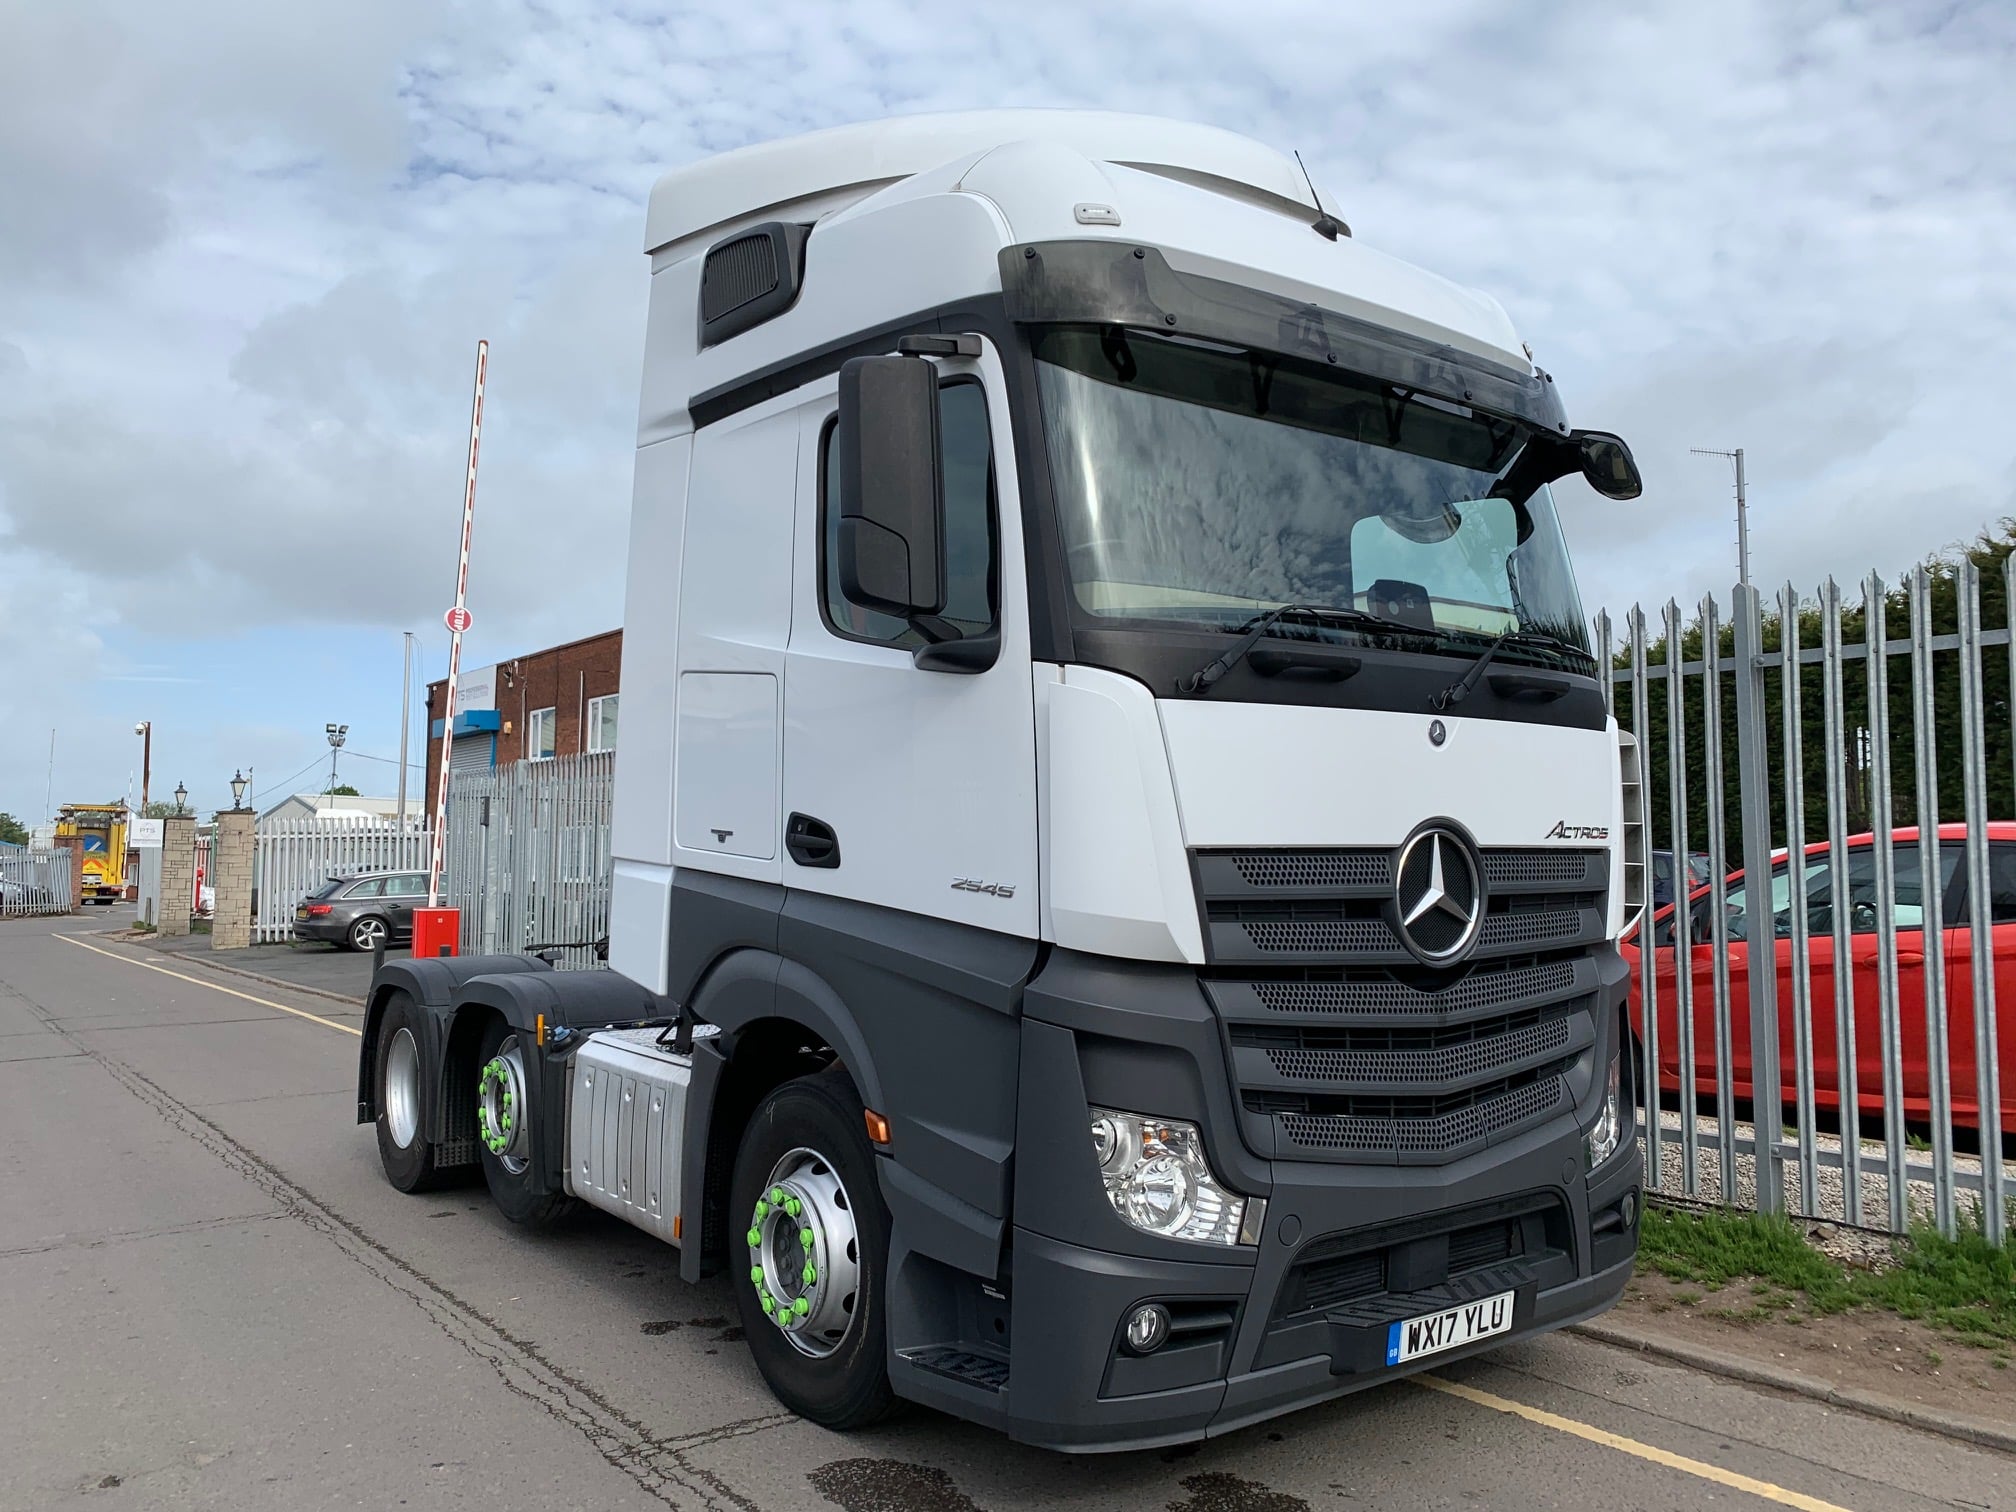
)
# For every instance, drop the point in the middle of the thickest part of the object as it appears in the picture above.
(506, 1113)
(810, 1260)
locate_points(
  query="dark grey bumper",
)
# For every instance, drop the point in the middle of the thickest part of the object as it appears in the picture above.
(1346, 1251)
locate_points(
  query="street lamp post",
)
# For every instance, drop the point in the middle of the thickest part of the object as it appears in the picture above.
(1742, 510)
(336, 734)
(145, 730)
(238, 792)
(181, 797)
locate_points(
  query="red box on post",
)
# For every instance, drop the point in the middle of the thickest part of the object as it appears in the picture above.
(436, 932)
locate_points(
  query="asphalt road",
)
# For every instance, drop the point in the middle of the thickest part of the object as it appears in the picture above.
(213, 1300)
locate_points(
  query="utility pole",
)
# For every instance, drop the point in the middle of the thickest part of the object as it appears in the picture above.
(145, 730)
(405, 713)
(1742, 511)
(49, 788)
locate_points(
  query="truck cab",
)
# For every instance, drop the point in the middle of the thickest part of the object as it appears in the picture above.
(1120, 842)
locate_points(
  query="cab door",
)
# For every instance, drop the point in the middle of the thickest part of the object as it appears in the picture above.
(906, 789)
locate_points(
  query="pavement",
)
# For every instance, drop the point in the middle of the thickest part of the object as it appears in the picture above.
(217, 1302)
(295, 963)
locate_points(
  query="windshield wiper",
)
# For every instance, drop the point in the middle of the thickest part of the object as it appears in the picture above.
(1461, 689)
(1260, 625)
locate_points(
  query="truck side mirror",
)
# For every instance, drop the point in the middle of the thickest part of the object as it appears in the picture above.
(1608, 465)
(891, 550)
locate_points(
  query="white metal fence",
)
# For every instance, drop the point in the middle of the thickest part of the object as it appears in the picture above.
(1887, 1054)
(528, 856)
(34, 881)
(294, 857)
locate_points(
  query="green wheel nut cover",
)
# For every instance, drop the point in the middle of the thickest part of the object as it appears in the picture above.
(793, 1206)
(805, 1238)
(801, 1307)
(768, 1305)
(755, 1237)
(811, 1276)
(776, 1194)
(762, 1210)
(756, 1274)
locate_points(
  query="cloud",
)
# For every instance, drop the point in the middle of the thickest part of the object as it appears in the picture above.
(248, 252)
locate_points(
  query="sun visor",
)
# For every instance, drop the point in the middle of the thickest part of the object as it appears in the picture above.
(1114, 283)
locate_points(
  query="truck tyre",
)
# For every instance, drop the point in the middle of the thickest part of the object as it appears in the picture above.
(402, 1146)
(810, 1253)
(506, 1110)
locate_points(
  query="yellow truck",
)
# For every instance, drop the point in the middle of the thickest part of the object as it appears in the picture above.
(101, 832)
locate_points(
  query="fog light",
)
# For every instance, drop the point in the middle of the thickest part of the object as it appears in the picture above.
(1628, 1209)
(1147, 1328)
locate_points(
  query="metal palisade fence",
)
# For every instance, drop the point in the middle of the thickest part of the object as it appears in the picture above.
(34, 881)
(1863, 759)
(528, 858)
(294, 857)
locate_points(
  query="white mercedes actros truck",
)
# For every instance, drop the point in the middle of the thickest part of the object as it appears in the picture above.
(1120, 844)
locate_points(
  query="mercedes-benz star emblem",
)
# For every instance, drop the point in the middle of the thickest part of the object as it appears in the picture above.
(1438, 896)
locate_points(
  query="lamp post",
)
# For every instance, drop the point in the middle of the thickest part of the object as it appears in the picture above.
(237, 792)
(145, 730)
(336, 734)
(181, 797)
(1742, 510)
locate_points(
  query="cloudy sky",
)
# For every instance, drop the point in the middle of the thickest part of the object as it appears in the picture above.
(246, 251)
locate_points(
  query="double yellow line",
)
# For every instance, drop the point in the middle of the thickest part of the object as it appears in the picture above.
(1539, 1416)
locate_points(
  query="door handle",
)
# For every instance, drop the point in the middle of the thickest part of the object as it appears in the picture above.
(811, 842)
(1910, 958)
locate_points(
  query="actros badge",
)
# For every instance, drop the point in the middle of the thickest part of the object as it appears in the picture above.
(1563, 830)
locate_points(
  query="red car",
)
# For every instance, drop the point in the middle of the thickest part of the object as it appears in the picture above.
(1950, 947)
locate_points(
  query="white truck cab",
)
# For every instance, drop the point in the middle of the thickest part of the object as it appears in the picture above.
(1120, 844)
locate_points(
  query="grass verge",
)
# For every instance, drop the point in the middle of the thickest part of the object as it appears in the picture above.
(1964, 1286)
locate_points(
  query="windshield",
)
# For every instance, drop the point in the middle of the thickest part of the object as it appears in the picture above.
(1200, 482)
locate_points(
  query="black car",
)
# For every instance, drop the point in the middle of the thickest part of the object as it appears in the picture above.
(358, 912)
(1662, 875)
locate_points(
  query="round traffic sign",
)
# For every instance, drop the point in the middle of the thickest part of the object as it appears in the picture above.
(457, 619)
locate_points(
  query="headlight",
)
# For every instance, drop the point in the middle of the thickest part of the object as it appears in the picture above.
(1600, 1143)
(1157, 1179)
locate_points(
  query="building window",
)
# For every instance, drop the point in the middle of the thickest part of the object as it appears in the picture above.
(602, 722)
(539, 727)
(967, 465)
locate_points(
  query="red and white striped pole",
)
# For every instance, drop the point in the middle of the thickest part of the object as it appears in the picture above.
(457, 620)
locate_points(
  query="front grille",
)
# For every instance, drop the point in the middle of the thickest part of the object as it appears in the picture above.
(1345, 1047)
(1452, 1054)
(1409, 1128)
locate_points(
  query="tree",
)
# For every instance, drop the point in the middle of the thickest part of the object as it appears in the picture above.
(12, 830)
(343, 790)
(159, 808)
(1988, 552)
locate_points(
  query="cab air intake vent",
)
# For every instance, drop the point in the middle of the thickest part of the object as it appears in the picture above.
(751, 277)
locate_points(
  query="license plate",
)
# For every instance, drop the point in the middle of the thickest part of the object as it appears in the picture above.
(1411, 1338)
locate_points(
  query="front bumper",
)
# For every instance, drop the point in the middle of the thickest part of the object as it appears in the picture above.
(1073, 1388)
(1347, 1249)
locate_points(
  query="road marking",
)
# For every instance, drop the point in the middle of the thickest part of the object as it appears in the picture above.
(112, 955)
(1623, 1445)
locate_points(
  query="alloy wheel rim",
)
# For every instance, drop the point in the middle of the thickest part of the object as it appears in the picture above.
(805, 1253)
(402, 1088)
(500, 1107)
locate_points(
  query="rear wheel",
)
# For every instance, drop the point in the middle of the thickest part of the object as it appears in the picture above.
(810, 1259)
(406, 1155)
(506, 1125)
(367, 933)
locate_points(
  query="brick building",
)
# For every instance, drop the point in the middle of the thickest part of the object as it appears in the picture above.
(555, 702)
